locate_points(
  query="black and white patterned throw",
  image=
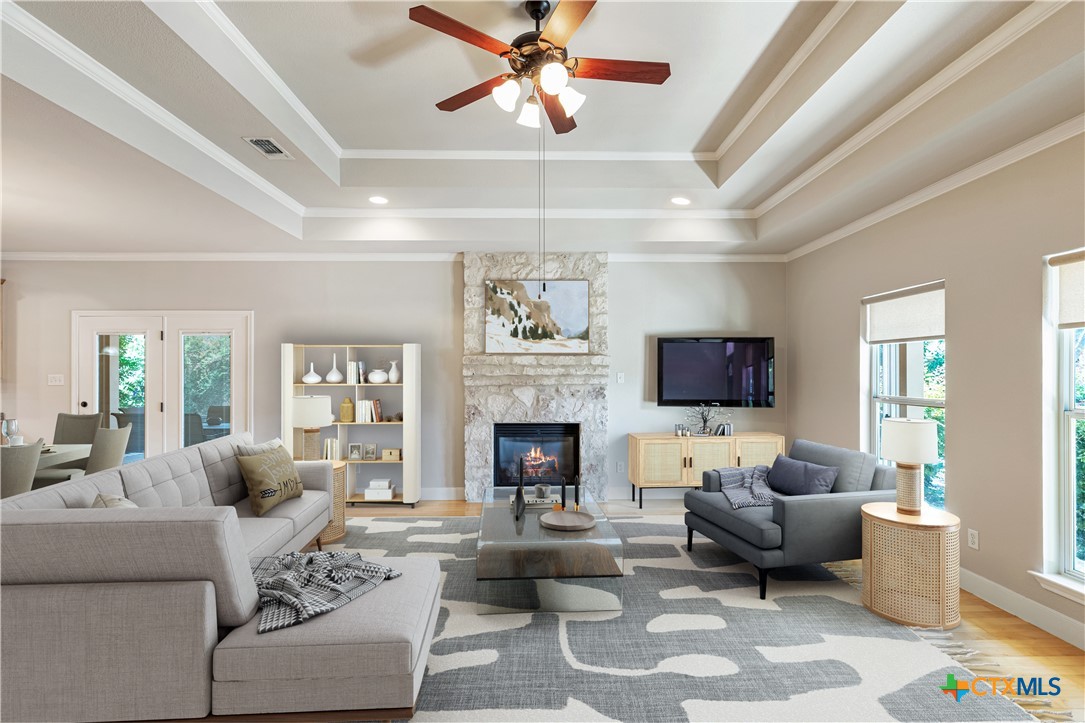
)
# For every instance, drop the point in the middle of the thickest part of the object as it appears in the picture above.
(298, 586)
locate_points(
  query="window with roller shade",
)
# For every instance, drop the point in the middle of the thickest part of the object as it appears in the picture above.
(906, 332)
(1069, 275)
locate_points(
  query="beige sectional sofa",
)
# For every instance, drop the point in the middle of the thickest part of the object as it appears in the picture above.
(150, 613)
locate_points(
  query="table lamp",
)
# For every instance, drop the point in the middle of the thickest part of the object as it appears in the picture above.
(910, 443)
(310, 414)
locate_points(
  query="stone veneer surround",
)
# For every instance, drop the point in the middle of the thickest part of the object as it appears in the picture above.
(569, 388)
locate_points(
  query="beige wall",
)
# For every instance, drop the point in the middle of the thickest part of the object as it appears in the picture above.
(986, 240)
(315, 302)
(653, 299)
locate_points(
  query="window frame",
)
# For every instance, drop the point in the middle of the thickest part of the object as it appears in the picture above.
(889, 399)
(1067, 493)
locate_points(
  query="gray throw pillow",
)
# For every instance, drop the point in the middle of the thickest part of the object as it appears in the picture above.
(795, 477)
(112, 501)
(251, 450)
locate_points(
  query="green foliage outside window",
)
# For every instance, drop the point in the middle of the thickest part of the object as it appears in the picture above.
(131, 377)
(934, 387)
(1079, 446)
(206, 372)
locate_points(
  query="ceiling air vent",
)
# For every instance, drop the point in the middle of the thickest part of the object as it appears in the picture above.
(270, 148)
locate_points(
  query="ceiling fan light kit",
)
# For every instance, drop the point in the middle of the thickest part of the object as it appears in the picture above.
(542, 57)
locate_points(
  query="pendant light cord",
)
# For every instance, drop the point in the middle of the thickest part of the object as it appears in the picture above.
(539, 198)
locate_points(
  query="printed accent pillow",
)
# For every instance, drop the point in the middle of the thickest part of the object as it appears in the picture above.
(103, 501)
(271, 478)
(795, 477)
(251, 450)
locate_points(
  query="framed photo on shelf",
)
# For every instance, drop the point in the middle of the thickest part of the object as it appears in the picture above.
(355, 451)
(369, 452)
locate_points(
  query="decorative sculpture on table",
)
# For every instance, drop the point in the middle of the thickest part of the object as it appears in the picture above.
(521, 503)
(702, 416)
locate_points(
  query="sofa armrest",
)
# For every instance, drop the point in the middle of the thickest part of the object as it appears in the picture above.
(825, 527)
(107, 651)
(148, 544)
(315, 475)
(710, 480)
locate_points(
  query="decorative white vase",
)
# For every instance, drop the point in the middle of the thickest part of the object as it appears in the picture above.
(378, 376)
(334, 376)
(312, 377)
(393, 374)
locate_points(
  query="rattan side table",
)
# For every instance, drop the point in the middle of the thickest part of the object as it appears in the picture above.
(911, 565)
(337, 528)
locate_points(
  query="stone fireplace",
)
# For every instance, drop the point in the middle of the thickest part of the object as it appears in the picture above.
(534, 389)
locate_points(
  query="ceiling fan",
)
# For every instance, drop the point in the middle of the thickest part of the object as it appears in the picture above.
(541, 56)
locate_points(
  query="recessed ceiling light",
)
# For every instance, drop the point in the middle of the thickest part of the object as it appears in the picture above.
(381, 200)
(680, 201)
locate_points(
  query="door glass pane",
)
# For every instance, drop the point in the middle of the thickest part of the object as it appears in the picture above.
(205, 379)
(122, 387)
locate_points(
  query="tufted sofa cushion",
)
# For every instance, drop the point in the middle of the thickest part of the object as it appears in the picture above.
(76, 494)
(174, 479)
(223, 471)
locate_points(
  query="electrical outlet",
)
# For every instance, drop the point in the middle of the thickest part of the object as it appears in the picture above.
(619, 467)
(55, 380)
(621, 377)
(974, 539)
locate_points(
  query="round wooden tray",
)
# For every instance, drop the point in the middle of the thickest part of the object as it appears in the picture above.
(567, 521)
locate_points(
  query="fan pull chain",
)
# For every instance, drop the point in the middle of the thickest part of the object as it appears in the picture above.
(539, 198)
(542, 165)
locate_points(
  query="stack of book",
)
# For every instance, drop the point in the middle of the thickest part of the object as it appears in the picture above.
(380, 489)
(369, 410)
(331, 449)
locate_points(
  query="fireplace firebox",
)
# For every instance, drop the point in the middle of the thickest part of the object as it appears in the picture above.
(549, 451)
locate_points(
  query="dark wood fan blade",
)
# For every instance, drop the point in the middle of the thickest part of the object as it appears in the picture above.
(444, 24)
(565, 20)
(556, 114)
(470, 95)
(629, 71)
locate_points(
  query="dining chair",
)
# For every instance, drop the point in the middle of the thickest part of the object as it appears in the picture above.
(17, 467)
(136, 439)
(219, 412)
(76, 428)
(193, 429)
(107, 451)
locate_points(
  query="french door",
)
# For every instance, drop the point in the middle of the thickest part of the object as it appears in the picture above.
(179, 378)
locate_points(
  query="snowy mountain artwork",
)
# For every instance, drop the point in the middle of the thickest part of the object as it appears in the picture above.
(519, 322)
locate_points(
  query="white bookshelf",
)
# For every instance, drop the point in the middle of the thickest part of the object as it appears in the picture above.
(405, 397)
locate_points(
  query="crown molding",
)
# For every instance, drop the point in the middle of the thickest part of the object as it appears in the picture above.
(975, 56)
(292, 257)
(835, 14)
(376, 154)
(666, 258)
(75, 58)
(529, 213)
(1062, 132)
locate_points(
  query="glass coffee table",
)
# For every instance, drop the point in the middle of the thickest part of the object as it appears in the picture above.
(522, 565)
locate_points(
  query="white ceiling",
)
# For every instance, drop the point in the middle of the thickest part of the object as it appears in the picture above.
(783, 122)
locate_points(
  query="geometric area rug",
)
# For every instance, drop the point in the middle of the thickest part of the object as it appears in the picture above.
(692, 642)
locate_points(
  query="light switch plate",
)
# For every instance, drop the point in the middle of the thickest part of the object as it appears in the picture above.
(55, 380)
(621, 377)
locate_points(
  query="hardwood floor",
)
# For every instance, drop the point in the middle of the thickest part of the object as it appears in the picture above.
(1019, 648)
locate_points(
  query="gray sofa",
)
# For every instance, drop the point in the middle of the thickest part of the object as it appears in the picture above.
(800, 529)
(151, 613)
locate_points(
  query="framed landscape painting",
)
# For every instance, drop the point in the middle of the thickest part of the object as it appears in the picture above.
(519, 322)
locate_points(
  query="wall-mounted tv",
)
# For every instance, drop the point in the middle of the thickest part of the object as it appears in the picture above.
(729, 371)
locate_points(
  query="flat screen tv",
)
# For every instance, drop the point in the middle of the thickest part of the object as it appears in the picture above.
(729, 371)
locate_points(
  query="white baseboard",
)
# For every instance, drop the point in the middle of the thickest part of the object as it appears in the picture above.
(1059, 625)
(442, 493)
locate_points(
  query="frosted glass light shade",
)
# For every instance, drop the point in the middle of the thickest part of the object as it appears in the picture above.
(506, 95)
(529, 114)
(553, 77)
(911, 441)
(312, 411)
(570, 100)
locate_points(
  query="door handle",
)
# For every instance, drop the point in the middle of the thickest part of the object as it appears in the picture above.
(84, 405)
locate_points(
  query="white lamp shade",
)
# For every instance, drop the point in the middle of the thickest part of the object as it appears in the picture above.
(506, 94)
(553, 77)
(912, 441)
(570, 100)
(529, 114)
(312, 411)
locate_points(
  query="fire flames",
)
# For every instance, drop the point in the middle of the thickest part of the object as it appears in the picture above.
(537, 464)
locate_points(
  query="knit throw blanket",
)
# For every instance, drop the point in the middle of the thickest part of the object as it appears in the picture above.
(298, 586)
(746, 486)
